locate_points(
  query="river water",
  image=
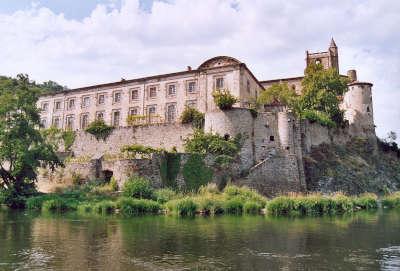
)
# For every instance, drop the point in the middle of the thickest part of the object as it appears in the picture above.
(362, 241)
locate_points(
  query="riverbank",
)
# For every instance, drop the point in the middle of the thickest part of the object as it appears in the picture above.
(138, 198)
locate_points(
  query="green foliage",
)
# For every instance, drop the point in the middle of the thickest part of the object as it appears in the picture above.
(193, 116)
(164, 195)
(51, 87)
(104, 207)
(245, 194)
(391, 200)
(234, 206)
(252, 207)
(321, 91)
(138, 187)
(196, 173)
(169, 169)
(113, 184)
(69, 139)
(224, 149)
(366, 201)
(137, 149)
(99, 129)
(77, 178)
(319, 117)
(182, 207)
(21, 144)
(278, 93)
(57, 205)
(132, 207)
(224, 99)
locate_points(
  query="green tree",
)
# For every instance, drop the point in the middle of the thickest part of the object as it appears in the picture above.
(320, 95)
(22, 147)
(279, 92)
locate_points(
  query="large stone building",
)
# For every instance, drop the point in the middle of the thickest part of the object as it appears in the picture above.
(271, 158)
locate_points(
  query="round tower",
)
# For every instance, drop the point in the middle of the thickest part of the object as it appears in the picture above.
(357, 103)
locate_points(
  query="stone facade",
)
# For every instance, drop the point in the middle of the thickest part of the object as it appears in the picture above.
(274, 141)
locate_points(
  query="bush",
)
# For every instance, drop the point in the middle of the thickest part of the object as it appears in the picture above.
(319, 117)
(99, 129)
(245, 194)
(85, 208)
(138, 187)
(193, 116)
(342, 204)
(104, 207)
(55, 205)
(391, 200)
(182, 207)
(224, 99)
(36, 202)
(282, 205)
(132, 207)
(234, 206)
(366, 201)
(164, 195)
(68, 138)
(210, 188)
(209, 205)
(113, 184)
(252, 207)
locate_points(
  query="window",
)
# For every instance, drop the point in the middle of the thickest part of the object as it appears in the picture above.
(248, 86)
(117, 97)
(134, 111)
(171, 90)
(115, 118)
(271, 138)
(171, 112)
(192, 103)
(70, 122)
(57, 105)
(219, 83)
(71, 104)
(56, 122)
(43, 122)
(368, 109)
(151, 110)
(152, 92)
(101, 99)
(45, 107)
(135, 94)
(191, 87)
(100, 115)
(84, 121)
(85, 101)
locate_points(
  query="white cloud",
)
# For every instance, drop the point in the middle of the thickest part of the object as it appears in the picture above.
(269, 36)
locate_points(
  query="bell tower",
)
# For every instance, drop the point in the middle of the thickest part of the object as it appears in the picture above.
(328, 59)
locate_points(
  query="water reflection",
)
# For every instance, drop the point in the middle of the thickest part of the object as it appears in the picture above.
(363, 241)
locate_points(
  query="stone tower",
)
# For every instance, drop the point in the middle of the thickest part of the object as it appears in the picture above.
(328, 59)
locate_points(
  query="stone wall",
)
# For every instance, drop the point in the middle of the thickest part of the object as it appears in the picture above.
(165, 136)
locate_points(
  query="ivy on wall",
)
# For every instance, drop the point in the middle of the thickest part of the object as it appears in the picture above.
(196, 173)
(99, 129)
(169, 169)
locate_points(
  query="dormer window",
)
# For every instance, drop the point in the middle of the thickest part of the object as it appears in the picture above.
(219, 83)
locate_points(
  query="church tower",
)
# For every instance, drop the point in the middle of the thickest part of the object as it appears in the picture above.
(328, 59)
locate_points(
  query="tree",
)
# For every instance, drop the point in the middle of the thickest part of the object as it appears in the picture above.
(280, 93)
(320, 95)
(22, 147)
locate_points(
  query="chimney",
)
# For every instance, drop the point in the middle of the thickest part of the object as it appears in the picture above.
(189, 68)
(352, 74)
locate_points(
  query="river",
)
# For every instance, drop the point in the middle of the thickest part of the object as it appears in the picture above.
(362, 241)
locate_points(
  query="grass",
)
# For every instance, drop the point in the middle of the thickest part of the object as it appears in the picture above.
(391, 200)
(133, 207)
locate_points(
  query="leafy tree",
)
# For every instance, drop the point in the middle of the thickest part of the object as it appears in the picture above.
(320, 95)
(22, 147)
(51, 86)
(278, 93)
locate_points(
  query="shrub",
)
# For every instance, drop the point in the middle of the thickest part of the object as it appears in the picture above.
(366, 201)
(342, 203)
(164, 195)
(234, 206)
(131, 207)
(224, 99)
(196, 172)
(138, 187)
(36, 202)
(104, 207)
(319, 117)
(113, 184)
(193, 116)
(210, 188)
(252, 207)
(244, 193)
(68, 138)
(77, 178)
(182, 207)
(99, 129)
(282, 205)
(391, 200)
(209, 205)
(85, 208)
(55, 205)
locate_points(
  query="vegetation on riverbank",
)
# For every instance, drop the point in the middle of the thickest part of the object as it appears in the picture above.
(138, 198)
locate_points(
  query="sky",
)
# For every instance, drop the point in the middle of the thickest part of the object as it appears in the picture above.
(79, 43)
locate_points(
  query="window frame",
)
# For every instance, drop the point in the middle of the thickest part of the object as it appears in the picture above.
(175, 89)
(218, 78)
(188, 82)
(84, 105)
(149, 91)
(131, 94)
(98, 98)
(81, 120)
(114, 95)
(113, 117)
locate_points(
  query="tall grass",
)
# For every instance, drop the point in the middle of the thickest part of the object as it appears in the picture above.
(391, 200)
(133, 207)
(182, 207)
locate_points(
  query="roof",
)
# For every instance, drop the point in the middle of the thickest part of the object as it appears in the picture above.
(360, 83)
(282, 79)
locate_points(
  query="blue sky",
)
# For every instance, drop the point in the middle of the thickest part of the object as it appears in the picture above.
(79, 43)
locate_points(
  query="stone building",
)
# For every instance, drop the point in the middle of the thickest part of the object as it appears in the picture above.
(271, 158)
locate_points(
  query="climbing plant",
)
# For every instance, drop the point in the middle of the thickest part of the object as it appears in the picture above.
(196, 173)
(169, 169)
